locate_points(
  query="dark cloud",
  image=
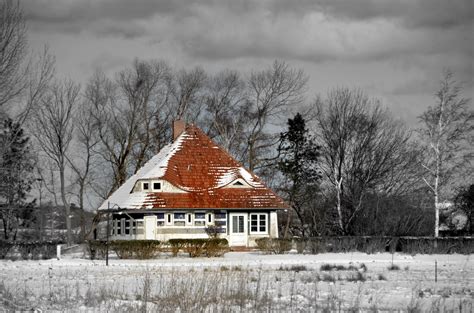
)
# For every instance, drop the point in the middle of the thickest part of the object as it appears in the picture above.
(412, 13)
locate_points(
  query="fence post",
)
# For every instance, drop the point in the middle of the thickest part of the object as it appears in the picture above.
(58, 252)
(436, 271)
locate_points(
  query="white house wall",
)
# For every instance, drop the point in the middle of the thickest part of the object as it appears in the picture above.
(170, 231)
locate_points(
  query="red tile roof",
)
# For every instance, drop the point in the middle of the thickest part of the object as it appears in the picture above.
(203, 170)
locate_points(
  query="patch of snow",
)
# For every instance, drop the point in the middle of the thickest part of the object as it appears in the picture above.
(154, 168)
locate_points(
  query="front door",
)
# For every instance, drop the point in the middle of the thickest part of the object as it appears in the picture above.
(238, 229)
(150, 226)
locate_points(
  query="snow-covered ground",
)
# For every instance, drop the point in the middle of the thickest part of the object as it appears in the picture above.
(241, 282)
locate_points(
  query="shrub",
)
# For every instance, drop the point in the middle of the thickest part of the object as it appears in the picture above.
(216, 247)
(273, 245)
(96, 249)
(140, 249)
(198, 247)
(355, 277)
(37, 250)
(393, 267)
(5, 247)
(373, 244)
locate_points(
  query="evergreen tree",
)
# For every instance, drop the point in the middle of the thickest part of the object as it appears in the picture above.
(16, 167)
(299, 165)
(465, 201)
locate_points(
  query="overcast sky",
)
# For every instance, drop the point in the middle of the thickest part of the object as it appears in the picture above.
(394, 50)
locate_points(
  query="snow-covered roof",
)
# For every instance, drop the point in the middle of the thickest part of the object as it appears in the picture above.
(195, 164)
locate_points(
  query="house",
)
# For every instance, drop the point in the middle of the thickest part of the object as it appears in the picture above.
(189, 185)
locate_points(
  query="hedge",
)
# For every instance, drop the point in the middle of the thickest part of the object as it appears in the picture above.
(274, 245)
(125, 249)
(374, 244)
(32, 250)
(212, 247)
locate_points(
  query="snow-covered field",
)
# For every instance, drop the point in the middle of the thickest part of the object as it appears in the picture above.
(241, 282)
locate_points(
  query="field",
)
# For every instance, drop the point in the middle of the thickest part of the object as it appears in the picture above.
(242, 282)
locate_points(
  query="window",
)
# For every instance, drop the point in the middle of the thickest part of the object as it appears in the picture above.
(160, 219)
(238, 183)
(199, 219)
(238, 224)
(209, 218)
(220, 220)
(179, 219)
(169, 218)
(258, 223)
(146, 186)
(189, 218)
(156, 186)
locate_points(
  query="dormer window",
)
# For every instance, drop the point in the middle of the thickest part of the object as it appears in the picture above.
(146, 186)
(238, 183)
(156, 186)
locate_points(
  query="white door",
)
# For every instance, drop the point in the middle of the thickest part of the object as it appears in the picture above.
(150, 226)
(238, 229)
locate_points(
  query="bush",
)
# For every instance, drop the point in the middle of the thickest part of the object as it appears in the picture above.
(198, 247)
(139, 249)
(373, 244)
(33, 250)
(5, 247)
(96, 249)
(274, 245)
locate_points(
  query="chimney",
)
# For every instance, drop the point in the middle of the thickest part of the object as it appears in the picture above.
(178, 128)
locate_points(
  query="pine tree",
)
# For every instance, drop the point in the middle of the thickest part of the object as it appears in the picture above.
(16, 166)
(299, 164)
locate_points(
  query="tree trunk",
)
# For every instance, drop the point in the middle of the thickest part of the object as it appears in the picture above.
(338, 201)
(66, 205)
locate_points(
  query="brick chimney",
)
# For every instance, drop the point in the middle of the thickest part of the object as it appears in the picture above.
(178, 128)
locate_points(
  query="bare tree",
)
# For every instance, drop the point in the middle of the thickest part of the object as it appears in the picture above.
(362, 148)
(54, 131)
(130, 115)
(270, 93)
(13, 47)
(144, 87)
(82, 161)
(227, 107)
(186, 87)
(447, 132)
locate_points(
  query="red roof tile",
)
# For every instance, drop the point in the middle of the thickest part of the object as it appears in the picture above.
(203, 170)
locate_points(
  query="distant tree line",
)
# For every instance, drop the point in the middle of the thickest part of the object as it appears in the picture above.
(344, 163)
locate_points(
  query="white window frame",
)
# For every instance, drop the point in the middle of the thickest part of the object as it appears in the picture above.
(160, 222)
(169, 219)
(258, 215)
(200, 220)
(209, 218)
(179, 219)
(189, 219)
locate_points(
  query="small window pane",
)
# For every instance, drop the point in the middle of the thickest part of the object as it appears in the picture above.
(241, 224)
(160, 216)
(179, 216)
(189, 218)
(200, 216)
(157, 186)
(220, 216)
(146, 186)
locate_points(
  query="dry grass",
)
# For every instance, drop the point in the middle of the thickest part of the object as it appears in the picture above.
(297, 288)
